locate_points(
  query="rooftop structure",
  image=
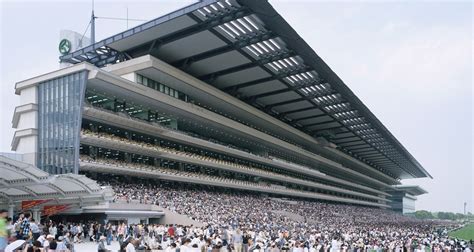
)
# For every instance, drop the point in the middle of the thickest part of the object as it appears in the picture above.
(246, 49)
(219, 92)
(21, 181)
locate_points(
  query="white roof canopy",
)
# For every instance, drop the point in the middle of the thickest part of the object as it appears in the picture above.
(21, 181)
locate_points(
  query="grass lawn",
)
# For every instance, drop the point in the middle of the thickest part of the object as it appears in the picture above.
(465, 233)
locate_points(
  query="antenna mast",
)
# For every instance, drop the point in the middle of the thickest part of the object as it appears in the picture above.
(93, 17)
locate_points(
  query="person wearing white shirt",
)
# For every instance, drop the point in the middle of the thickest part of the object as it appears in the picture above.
(237, 240)
(49, 239)
(34, 229)
(53, 230)
(61, 246)
(41, 239)
(298, 248)
(131, 246)
(185, 246)
(170, 248)
(335, 245)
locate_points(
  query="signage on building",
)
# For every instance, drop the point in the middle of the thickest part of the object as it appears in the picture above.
(27, 204)
(64, 46)
(54, 209)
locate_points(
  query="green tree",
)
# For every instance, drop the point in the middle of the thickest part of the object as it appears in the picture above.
(423, 214)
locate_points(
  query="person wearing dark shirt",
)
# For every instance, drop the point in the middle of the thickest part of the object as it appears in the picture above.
(245, 241)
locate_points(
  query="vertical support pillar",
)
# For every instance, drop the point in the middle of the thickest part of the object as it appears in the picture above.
(11, 210)
(93, 26)
(35, 211)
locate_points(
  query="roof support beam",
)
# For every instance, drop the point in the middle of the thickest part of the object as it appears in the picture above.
(234, 88)
(283, 90)
(209, 78)
(366, 153)
(289, 112)
(366, 146)
(347, 145)
(367, 156)
(303, 98)
(351, 141)
(319, 123)
(309, 117)
(200, 26)
(241, 43)
(376, 159)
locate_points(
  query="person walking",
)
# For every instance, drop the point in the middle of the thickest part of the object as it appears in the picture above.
(109, 233)
(35, 230)
(237, 240)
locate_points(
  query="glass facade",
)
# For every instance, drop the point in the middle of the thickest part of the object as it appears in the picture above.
(160, 87)
(408, 205)
(60, 104)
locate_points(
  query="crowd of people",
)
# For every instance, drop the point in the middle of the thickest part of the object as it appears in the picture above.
(237, 221)
(243, 221)
(212, 162)
(175, 151)
(30, 235)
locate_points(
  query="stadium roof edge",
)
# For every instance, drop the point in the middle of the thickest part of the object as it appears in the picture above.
(412, 189)
(102, 53)
(276, 22)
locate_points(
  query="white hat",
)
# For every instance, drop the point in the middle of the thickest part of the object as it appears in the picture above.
(49, 237)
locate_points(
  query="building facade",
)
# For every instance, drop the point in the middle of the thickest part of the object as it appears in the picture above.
(215, 93)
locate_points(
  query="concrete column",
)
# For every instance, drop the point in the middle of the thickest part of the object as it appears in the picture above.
(35, 212)
(11, 209)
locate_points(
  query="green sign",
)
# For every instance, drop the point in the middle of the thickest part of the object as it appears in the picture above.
(64, 46)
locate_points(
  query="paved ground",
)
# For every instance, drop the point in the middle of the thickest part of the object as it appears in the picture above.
(92, 247)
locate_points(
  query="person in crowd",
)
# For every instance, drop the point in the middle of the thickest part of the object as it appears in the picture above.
(237, 240)
(35, 230)
(52, 246)
(61, 245)
(132, 245)
(48, 241)
(53, 230)
(3, 229)
(109, 233)
(25, 227)
(101, 247)
(239, 221)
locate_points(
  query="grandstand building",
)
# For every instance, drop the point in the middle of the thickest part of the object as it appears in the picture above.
(221, 93)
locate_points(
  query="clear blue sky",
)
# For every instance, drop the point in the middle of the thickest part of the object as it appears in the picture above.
(409, 62)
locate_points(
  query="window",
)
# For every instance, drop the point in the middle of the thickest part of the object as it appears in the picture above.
(59, 115)
(139, 79)
(160, 87)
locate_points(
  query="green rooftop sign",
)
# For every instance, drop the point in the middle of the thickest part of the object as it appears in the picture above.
(64, 46)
